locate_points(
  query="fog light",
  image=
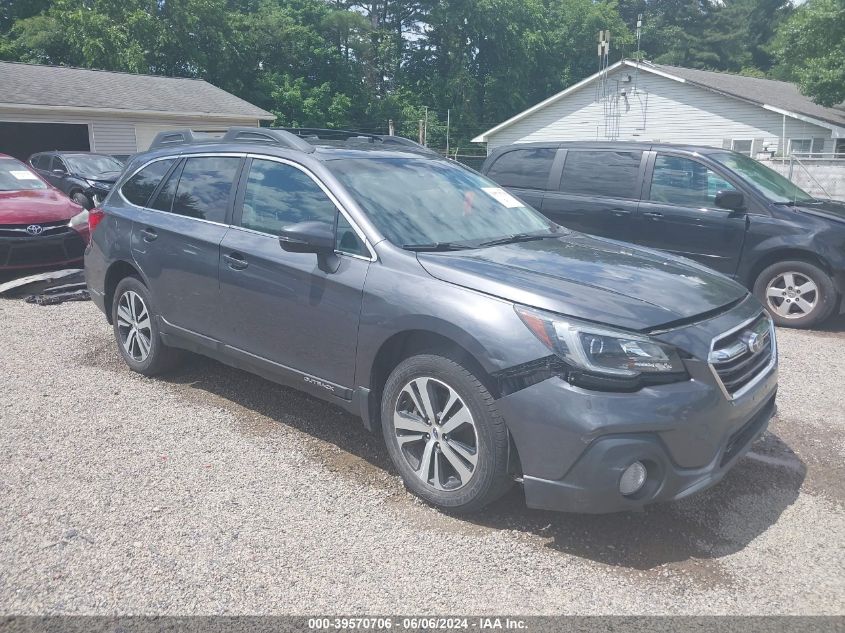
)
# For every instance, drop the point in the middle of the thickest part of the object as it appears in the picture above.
(632, 479)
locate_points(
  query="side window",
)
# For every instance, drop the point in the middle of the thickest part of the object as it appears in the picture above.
(605, 174)
(204, 187)
(140, 187)
(58, 163)
(524, 168)
(685, 182)
(278, 195)
(164, 199)
(41, 161)
(347, 240)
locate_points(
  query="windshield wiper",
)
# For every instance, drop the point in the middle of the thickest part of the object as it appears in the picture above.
(436, 246)
(518, 237)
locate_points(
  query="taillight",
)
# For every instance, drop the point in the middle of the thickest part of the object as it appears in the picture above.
(95, 216)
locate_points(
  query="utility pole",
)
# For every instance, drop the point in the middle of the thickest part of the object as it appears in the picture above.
(448, 121)
(425, 128)
(390, 129)
(422, 136)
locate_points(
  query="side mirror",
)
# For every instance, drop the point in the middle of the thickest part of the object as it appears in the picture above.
(308, 237)
(59, 172)
(312, 237)
(730, 199)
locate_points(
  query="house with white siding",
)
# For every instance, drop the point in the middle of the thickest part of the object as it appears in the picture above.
(75, 109)
(658, 103)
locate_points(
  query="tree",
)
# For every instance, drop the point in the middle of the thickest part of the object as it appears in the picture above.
(810, 50)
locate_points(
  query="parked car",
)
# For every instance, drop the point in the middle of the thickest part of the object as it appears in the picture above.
(84, 176)
(39, 225)
(715, 206)
(488, 343)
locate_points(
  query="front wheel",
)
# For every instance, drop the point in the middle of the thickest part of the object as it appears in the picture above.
(82, 200)
(444, 433)
(796, 294)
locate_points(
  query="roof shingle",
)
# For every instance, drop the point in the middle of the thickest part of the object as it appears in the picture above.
(38, 85)
(779, 94)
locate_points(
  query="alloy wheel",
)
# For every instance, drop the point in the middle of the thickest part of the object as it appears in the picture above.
(436, 433)
(792, 295)
(134, 326)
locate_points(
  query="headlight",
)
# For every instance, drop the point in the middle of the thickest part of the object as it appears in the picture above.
(604, 352)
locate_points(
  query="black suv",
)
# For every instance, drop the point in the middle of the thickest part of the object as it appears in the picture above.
(715, 206)
(487, 343)
(85, 177)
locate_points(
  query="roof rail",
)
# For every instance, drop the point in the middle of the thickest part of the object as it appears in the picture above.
(351, 137)
(232, 135)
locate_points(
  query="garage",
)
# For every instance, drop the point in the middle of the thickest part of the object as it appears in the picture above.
(21, 140)
(46, 108)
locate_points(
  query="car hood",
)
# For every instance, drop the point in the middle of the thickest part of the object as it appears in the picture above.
(34, 206)
(106, 176)
(829, 209)
(590, 278)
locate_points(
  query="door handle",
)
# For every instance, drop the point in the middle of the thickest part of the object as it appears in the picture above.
(236, 261)
(149, 234)
(652, 214)
(620, 213)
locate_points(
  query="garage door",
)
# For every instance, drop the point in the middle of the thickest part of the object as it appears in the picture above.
(22, 140)
(146, 132)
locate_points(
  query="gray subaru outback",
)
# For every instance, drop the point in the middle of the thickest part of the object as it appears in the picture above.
(487, 343)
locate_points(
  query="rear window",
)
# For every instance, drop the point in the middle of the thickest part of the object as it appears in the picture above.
(605, 174)
(523, 168)
(140, 187)
(205, 186)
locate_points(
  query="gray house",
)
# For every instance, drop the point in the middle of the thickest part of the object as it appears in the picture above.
(56, 107)
(652, 102)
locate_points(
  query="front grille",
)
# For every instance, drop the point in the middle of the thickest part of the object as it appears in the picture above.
(739, 357)
(42, 250)
(48, 229)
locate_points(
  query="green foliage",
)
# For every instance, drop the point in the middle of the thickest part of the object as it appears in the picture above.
(359, 63)
(810, 49)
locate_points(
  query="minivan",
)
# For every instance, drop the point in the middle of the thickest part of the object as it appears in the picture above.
(720, 208)
(488, 344)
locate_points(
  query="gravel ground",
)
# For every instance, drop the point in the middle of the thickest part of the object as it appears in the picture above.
(216, 492)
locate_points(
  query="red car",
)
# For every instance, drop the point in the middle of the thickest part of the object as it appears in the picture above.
(39, 225)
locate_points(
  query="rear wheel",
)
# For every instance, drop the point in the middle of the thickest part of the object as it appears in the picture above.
(444, 433)
(796, 294)
(136, 330)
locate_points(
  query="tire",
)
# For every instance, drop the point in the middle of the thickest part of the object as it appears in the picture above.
(82, 200)
(435, 456)
(797, 294)
(145, 354)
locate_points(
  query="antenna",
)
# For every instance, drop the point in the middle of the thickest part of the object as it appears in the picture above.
(639, 34)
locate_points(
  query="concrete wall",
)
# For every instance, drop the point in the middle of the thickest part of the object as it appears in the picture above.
(660, 109)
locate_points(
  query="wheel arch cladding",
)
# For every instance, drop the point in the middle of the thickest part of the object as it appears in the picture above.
(118, 271)
(785, 254)
(407, 343)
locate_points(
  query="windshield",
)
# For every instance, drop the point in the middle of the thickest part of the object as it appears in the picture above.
(91, 164)
(767, 181)
(415, 201)
(15, 176)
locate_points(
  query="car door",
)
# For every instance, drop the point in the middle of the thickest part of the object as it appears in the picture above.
(524, 172)
(678, 213)
(57, 174)
(597, 192)
(176, 239)
(282, 310)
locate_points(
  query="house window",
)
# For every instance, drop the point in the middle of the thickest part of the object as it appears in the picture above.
(742, 146)
(800, 145)
(840, 148)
